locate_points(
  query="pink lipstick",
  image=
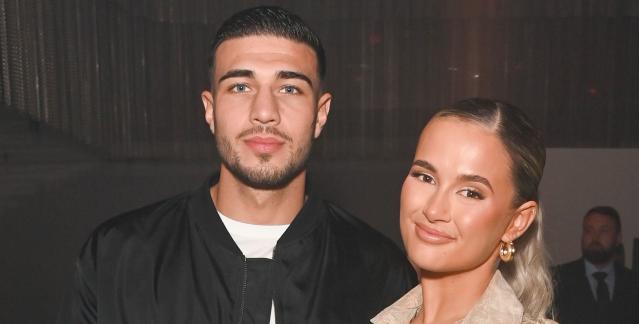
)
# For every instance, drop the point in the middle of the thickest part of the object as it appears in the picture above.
(432, 236)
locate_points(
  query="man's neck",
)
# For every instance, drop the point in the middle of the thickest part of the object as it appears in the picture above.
(601, 265)
(258, 206)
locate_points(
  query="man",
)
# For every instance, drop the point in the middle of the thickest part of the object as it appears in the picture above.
(596, 289)
(254, 244)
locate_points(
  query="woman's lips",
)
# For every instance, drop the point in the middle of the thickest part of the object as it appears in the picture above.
(432, 236)
(264, 145)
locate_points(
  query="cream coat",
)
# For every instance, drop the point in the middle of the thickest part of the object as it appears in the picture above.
(498, 304)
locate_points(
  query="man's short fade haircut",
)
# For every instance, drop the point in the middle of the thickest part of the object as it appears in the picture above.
(268, 21)
(608, 211)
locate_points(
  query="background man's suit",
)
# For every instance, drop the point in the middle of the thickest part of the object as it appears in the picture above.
(575, 303)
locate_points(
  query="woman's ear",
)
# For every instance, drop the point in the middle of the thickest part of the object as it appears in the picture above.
(523, 217)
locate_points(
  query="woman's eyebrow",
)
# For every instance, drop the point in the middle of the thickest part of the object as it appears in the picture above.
(476, 178)
(425, 164)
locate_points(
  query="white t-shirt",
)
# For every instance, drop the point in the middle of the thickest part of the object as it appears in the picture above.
(255, 241)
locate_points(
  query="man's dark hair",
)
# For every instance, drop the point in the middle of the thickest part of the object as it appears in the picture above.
(608, 211)
(272, 21)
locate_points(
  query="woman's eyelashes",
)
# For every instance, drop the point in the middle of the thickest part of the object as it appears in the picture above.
(471, 193)
(423, 177)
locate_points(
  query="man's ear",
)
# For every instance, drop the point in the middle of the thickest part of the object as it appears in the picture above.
(207, 101)
(619, 238)
(523, 218)
(323, 108)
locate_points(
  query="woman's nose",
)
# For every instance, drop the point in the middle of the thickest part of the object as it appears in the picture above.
(436, 207)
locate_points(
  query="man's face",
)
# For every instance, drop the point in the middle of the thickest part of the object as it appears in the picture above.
(599, 238)
(265, 109)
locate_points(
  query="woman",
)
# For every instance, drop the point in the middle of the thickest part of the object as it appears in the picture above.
(471, 222)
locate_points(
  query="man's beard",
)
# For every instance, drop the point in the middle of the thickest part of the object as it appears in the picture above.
(597, 253)
(263, 176)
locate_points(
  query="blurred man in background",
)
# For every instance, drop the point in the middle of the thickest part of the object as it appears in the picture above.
(596, 289)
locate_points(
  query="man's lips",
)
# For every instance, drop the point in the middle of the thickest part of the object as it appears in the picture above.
(431, 235)
(264, 145)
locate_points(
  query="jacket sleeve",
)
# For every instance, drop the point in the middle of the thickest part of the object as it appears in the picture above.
(80, 304)
(401, 277)
(407, 274)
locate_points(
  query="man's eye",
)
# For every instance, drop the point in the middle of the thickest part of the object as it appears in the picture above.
(240, 87)
(470, 193)
(290, 90)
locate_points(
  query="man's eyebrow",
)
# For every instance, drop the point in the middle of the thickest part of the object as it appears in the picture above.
(236, 74)
(424, 164)
(294, 75)
(476, 178)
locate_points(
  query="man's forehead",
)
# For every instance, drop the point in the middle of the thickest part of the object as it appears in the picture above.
(598, 219)
(265, 47)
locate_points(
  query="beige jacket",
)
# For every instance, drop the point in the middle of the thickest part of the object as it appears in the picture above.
(498, 304)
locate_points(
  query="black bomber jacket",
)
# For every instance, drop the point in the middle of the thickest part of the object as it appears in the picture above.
(174, 262)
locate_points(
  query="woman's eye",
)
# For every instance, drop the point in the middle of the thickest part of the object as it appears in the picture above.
(290, 90)
(424, 177)
(240, 87)
(469, 193)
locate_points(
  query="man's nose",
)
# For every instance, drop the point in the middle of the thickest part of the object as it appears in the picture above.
(264, 109)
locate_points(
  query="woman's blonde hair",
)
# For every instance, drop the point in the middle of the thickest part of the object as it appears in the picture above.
(528, 273)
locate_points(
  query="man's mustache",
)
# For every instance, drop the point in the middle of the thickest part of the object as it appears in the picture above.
(264, 130)
(596, 245)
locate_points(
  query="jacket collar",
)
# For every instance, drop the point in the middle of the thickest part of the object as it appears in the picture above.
(498, 304)
(619, 273)
(204, 214)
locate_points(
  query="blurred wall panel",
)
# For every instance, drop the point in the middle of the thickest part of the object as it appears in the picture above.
(125, 76)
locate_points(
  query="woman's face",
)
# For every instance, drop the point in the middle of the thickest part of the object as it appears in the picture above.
(456, 201)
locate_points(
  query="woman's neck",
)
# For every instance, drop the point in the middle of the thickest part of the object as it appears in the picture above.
(447, 298)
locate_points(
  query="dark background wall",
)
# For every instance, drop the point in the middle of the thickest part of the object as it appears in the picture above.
(125, 76)
(101, 113)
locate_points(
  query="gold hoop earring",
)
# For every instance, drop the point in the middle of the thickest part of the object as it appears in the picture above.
(506, 251)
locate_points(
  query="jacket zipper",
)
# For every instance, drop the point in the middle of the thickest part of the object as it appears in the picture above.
(276, 309)
(244, 284)
(276, 303)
